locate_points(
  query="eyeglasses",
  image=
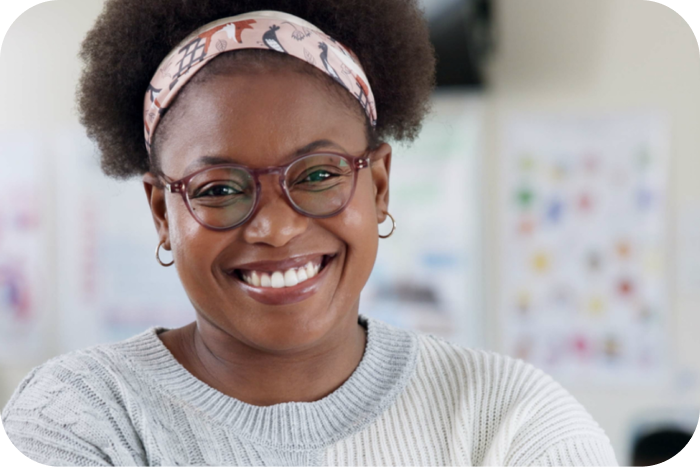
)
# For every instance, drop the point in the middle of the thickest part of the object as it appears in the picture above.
(225, 196)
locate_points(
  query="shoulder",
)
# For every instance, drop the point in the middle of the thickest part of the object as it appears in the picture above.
(483, 370)
(100, 369)
(520, 412)
(73, 407)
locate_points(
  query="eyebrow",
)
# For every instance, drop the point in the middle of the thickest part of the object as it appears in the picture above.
(209, 160)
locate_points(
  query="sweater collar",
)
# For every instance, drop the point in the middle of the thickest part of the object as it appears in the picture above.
(387, 364)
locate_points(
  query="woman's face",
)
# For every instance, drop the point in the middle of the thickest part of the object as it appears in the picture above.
(261, 120)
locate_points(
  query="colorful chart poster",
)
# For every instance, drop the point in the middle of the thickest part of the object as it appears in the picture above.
(427, 274)
(583, 245)
(24, 258)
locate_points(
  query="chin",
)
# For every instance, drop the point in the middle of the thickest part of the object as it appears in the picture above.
(288, 330)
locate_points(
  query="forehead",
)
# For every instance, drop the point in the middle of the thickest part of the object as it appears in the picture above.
(257, 119)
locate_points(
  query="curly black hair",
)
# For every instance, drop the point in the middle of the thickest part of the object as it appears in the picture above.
(131, 37)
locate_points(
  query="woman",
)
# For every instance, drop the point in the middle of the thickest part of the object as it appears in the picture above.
(259, 128)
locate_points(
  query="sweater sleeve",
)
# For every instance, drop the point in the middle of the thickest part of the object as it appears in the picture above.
(65, 412)
(555, 429)
(578, 451)
(540, 423)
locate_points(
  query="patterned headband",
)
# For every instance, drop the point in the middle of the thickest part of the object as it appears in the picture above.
(272, 30)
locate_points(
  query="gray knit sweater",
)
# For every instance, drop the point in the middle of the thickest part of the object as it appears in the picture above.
(414, 399)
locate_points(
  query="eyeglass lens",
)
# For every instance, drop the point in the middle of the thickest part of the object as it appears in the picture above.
(318, 185)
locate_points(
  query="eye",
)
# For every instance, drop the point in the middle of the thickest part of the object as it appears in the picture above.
(318, 176)
(212, 191)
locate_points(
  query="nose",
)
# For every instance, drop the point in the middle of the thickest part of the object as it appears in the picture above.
(274, 222)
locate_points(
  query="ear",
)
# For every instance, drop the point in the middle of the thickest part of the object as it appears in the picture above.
(380, 164)
(155, 193)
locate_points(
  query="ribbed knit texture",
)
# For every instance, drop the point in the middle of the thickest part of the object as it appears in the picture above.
(414, 399)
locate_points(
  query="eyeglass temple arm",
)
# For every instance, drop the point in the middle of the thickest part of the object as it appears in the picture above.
(160, 180)
(169, 184)
(174, 187)
(362, 162)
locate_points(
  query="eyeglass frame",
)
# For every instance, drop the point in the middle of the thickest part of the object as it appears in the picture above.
(180, 186)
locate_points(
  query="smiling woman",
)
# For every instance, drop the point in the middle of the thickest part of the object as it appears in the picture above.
(259, 129)
(273, 222)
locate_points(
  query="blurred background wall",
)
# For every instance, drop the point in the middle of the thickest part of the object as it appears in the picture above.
(602, 57)
(541, 67)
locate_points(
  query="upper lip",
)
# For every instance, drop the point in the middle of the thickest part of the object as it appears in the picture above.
(281, 265)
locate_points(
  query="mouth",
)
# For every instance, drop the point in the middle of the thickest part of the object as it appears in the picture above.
(283, 282)
(283, 277)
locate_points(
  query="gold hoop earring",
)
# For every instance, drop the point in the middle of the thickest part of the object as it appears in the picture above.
(393, 227)
(158, 256)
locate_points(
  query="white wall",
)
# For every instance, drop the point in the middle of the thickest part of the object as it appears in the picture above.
(39, 70)
(609, 55)
(39, 67)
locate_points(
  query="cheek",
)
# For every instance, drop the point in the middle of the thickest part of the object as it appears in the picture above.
(192, 244)
(181, 224)
(357, 226)
(363, 208)
(195, 249)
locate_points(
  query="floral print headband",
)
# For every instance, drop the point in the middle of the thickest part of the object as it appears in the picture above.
(271, 30)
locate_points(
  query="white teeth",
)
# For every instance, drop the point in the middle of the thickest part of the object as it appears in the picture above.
(290, 278)
(310, 270)
(277, 280)
(280, 279)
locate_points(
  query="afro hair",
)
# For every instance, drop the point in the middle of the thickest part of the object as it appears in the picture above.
(131, 37)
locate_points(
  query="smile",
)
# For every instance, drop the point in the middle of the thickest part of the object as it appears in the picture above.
(283, 282)
(279, 279)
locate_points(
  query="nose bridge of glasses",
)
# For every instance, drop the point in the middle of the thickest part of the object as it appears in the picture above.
(273, 175)
(272, 197)
(270, 186)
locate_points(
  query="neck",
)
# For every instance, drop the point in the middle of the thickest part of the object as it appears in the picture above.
(264, 378)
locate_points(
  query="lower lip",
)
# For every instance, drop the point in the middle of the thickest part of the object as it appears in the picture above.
(286, 295)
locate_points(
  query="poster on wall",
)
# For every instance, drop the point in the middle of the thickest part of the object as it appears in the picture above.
(110, 285)
(24, 258)
(427, 274)
(583, 236)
